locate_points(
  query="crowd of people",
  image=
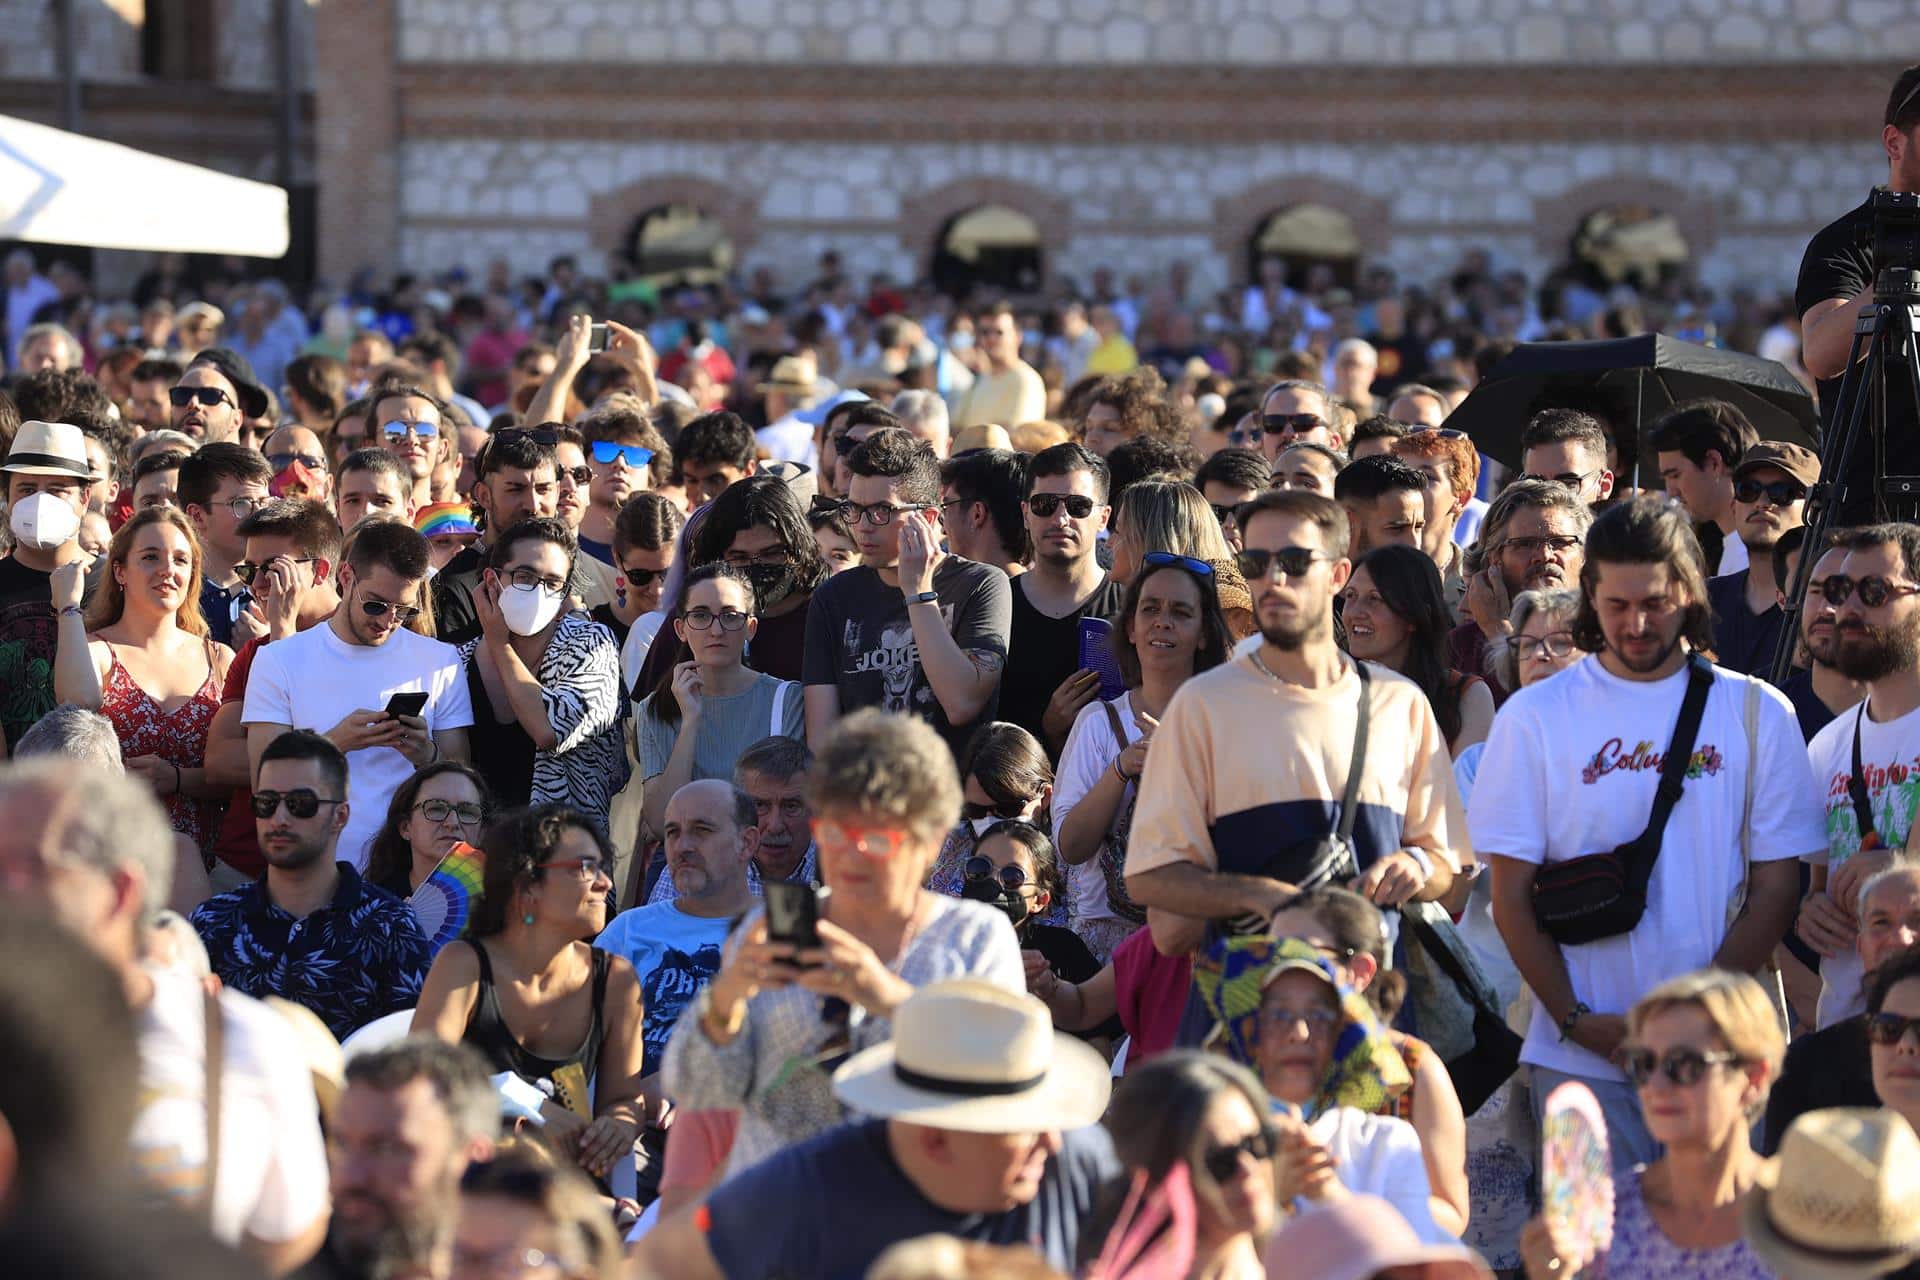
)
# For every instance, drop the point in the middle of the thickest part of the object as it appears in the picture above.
(862, 784)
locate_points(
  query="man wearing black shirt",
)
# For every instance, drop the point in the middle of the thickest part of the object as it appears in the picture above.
(514, 480)
(1066, 508)
(1769, 498)
(46, 476)
(1836, 287)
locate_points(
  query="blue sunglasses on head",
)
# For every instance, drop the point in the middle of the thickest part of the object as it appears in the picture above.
(605, 451)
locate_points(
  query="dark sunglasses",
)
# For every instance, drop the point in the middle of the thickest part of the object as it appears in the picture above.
(1222, 1163)
(1889, 1029)
(1289, 424)
(547, 438)
(1222, 511)
(579, 475)
(247, 570)
(1168, 560)
(605, 451)
(1680, 1066)
(1779, 492)
(1012, 878)
(1570, 479)
(281, 461)
(643, 577)
(1009, 810)
(403, 613)
(1079, 505)
(1295, 562)
(1874, 591)
(181, 397)
(302, 802)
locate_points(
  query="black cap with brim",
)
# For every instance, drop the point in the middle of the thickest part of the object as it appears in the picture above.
(232, 366)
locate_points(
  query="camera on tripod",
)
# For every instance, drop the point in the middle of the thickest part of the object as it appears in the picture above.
(1893, 235)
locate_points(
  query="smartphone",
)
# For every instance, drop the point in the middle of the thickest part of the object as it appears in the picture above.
(793, 913)
(1096, 654)
(406, 704)
(597, 338)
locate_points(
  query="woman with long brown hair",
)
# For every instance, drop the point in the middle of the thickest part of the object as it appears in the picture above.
(141, 656)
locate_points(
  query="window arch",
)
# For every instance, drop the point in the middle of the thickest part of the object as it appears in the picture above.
(989, 246)
(1304, 236)
(680, 244)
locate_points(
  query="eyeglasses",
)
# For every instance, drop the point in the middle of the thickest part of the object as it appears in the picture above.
(771, 556)
(418, 430)
(1557, 644)
(530, 579)
(605, 452)
(878, 843)
(1168, 560)
(181, 397)
(281, 461)
(879, 513)
(1079, 505)
(470, 815)
(1223, 1163)
(241, 508)
(1319, 1021)
(642, 577)
(247, 570)
(582, 476)
(302, 802)
(703, 619)
(402, 613)
(1012, 877)
(1889, 1029)
(591, 867)
(1289, 424)
(1874, 591)
(1294, 562)
(1779, 492)
(1680, 1066)
(1571, 479)
(1239, 436)
(1558, 544)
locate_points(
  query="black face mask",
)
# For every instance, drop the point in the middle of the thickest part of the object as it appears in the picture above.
(994, 894)
(772, 583)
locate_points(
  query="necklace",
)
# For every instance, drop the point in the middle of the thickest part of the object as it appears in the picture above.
(1261, 663)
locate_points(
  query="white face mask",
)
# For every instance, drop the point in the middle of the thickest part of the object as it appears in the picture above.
(983, 825)
(528, 612)
(43, 521)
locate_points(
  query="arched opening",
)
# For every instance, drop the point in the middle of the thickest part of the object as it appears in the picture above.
(679, 244)
(1303, 237)
(1633, 244)
(990, 246)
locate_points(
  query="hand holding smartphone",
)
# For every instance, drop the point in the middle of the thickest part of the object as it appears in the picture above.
(406, 704)
(793, 914)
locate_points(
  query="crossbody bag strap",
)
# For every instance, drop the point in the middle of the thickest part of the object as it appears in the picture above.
(1350, 800)
(1113, 723)
(1673, 772)
(215, 1076)
(779, 705)
(1857, 781)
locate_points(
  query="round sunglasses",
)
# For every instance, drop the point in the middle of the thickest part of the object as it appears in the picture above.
(1012, 877)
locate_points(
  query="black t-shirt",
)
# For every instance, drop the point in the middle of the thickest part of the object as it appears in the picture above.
(1743, 641)
(1839, 264)
(29, 637)
(454, 620)
(1812, 713)
(503, 753)
(1043, 651)
(1827, 1068)
(860, 639)
(605, 616)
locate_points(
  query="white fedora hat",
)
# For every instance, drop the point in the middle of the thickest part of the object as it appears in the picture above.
(1842, 1199)
(970, 1056)
(49, 449)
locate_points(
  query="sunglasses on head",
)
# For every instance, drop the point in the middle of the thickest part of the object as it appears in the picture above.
(302, 802)
(547, 438)
(1874, 591)
(606, 451)
(1223, 1162)
(1680, 1066)
(1289, 424)
(1295, 562)
(1779, 492)
(1445, 433)
(181, 397)
(1012, 877)
(1889, 1029)
(1079, 505)
(1167, 560)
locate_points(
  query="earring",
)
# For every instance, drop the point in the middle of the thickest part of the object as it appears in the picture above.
(526, 917)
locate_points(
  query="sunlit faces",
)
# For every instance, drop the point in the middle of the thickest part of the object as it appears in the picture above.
(409, 428)
(212, 412)
(218, 523)
(1889, 919)
(1762, 517)
(1443, 504)
(1375, 633)
(1166, 628)
(158, 570)
(1703, 491)
(1544, 645)
(1105, 429)
(836, 549)
(362, 493)
(1896, 1067)
(572, 891)
(642, 576)
(155, 489)
(1294, 609)
(706, 853)
(879, 544)
(1061, 537)
(784, 817)
(717, 622)
(1819, 620)
(506, 1238)
(1573, 464)
(1299, 1019)
(569, 491)
(1543, 548)
(147, 406)
(619, 479)
(1399, 515)
(1225, 498)
(387, 592)
(1295, 403)
(512, 494)
(1718, 1101)
(706, 481)
(1305, 469)
(1642, 610)
(1245, 1204)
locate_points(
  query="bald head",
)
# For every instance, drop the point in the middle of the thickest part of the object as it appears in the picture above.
(711, 833)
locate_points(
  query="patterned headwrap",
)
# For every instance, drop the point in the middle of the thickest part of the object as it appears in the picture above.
(1232, 976)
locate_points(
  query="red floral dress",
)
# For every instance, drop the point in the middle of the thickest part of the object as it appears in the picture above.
(179, 737)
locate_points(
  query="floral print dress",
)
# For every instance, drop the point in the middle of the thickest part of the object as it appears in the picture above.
(178, 736)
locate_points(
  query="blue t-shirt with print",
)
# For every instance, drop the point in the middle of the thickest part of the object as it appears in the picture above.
(674, 955)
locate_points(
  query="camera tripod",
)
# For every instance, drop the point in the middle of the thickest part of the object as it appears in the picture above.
(1886, 344)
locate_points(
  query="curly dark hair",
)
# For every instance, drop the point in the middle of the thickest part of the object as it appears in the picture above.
(1140, 398)
(515, 844)
(760, 502)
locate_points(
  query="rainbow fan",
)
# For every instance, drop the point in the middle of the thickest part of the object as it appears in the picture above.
(444, 901)
(1576, 1178)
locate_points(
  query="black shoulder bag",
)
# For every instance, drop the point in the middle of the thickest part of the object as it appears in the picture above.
(1857, 789)
(1603, 895)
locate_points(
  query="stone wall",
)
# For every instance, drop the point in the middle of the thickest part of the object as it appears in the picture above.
(1080, 32)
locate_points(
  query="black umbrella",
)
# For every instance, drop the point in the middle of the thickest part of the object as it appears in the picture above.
(1629, 381)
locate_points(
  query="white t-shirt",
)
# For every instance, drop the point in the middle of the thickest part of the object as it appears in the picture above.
(633, 653)
(1733, 556)
(312, 680)
(1571, 768)
(1380, 1156)
(1089, 752)
(272, 1180)
(1890, 766)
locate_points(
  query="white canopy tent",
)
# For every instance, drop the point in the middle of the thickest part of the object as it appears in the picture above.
(66, 188)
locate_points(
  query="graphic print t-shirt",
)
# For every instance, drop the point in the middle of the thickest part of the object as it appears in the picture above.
(674, 955)
(1890, 766)
(1571, 768)
(860, 639)
(29, 634)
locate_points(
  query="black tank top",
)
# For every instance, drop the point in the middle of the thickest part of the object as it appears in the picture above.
(487, 1031)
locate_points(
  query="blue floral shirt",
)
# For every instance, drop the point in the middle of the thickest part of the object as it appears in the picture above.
(358, 958)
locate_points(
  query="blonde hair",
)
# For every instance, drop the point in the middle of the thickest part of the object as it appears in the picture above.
(942, 1257)
(1171, 515)
(1734, 1003)
(109, 600)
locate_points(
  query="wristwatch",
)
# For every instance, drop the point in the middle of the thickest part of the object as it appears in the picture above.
(1574, 1015)
(925, 597)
